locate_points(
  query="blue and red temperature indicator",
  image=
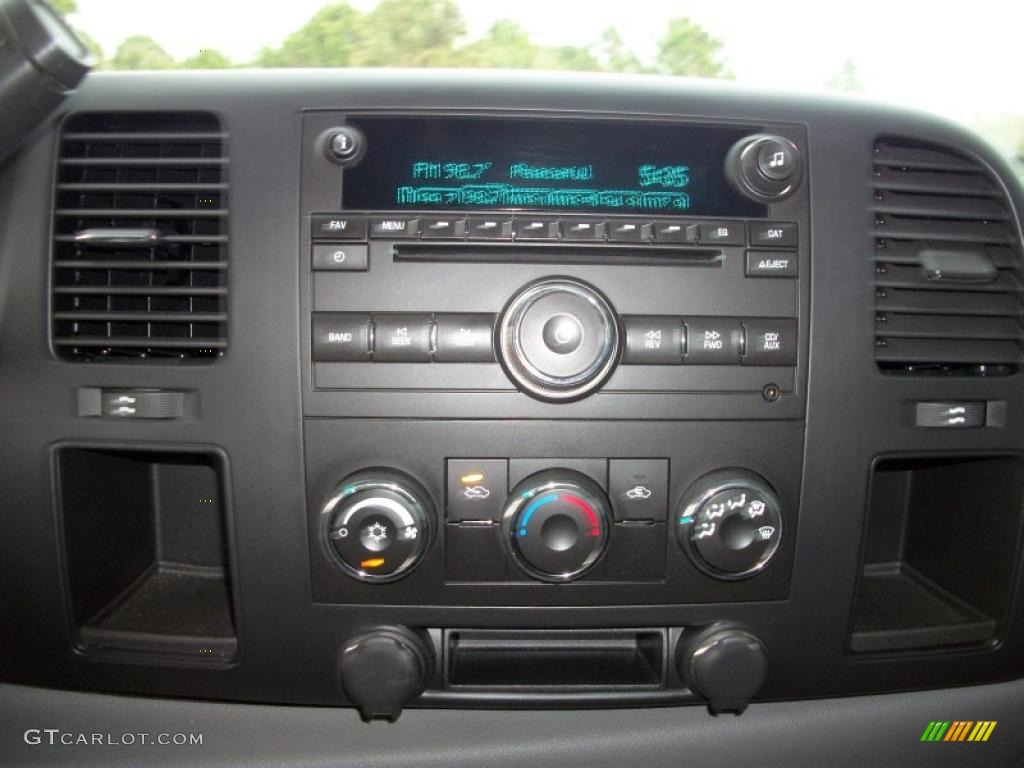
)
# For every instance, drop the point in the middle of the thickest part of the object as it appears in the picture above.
(588, 513)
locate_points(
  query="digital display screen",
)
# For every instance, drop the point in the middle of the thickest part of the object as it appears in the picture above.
(544, 164)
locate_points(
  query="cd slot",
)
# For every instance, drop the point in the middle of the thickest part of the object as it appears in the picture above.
(559, 253)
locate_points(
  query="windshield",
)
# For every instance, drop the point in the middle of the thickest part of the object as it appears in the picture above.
(962, 65)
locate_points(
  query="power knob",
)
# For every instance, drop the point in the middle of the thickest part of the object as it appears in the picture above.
(377, 524)
(764, 167)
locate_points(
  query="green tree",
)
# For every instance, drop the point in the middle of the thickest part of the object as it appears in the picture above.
(329, 39)
(411, 33)
(568, 57)
(141, 52)
(207, 58)
(506, 45)
(687, 49)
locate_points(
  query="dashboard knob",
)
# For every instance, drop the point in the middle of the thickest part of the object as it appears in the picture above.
(559, 339)
(383, 670)
(730, 523)
(556, 525)
(764, 168)
(378, 524)
(726, 665)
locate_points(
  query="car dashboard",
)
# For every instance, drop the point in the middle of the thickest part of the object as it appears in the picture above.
(615, 397)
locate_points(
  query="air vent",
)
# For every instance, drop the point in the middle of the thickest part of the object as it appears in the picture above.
(141, 238)
(948, 270)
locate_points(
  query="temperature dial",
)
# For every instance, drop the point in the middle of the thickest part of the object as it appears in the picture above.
(730, 523)
(556, 525)
(378, 524)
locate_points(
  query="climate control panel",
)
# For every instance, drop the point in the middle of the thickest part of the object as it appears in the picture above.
(552, 521)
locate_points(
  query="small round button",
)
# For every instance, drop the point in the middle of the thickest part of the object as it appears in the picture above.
(377, 525)
(776, 159)
(344, 143)
(563, 333)
(557, 525)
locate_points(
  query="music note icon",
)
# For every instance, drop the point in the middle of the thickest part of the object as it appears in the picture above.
(778, 160)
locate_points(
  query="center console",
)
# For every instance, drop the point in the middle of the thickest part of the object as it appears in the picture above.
(591, 331)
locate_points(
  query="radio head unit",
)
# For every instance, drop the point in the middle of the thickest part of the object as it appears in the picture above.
(556, 258)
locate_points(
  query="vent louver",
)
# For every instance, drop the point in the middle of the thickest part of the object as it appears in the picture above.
(948, 269)
(141, 238)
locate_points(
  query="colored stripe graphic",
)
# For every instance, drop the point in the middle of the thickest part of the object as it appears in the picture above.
(958, 731)
(982, 730)
(935, 731)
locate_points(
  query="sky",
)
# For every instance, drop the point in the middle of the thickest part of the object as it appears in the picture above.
(930, 55)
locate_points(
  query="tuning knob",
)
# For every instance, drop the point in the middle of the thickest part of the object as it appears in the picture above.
(725, 664)
(730, 523)
(378, 524)
(764, 168)
(556, 525)
(559, 339)
(383, 670)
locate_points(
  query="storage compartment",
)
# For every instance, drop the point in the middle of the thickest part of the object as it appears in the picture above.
(146, 552)
(555, 659)
(940, 551)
